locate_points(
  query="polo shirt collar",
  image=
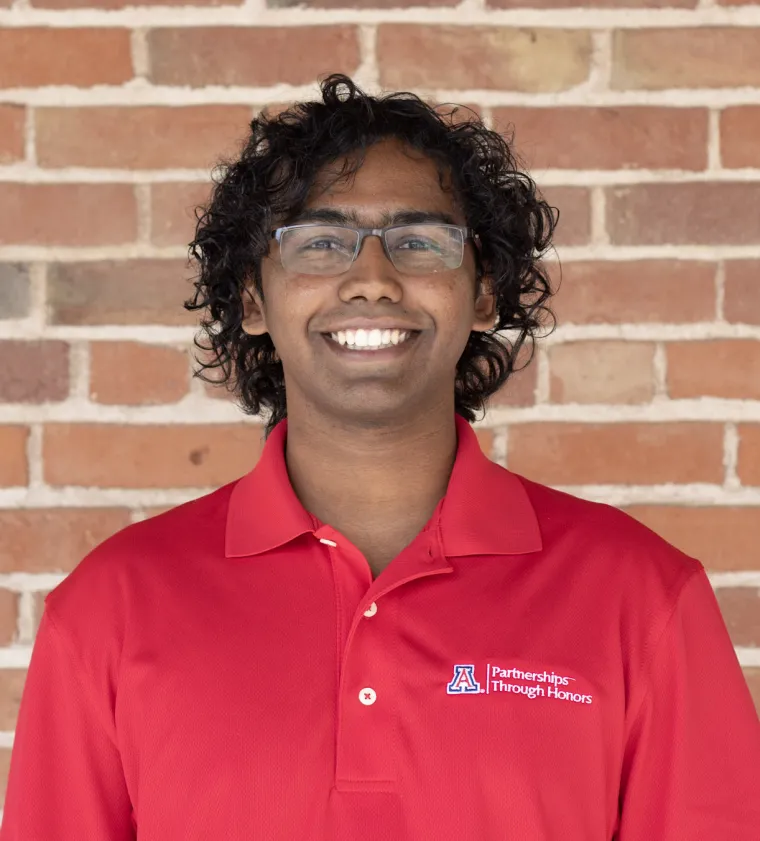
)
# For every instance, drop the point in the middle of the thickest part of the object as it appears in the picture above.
(486, 510)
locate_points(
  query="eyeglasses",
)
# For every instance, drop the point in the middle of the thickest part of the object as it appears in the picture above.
(425, 248)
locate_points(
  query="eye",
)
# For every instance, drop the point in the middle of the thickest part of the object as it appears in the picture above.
(418, 244)
(323, 244)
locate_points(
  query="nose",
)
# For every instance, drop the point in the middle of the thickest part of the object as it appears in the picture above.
(372, 275)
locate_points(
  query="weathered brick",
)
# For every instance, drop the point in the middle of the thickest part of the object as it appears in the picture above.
(739, 132)
(5, 753)
(54, 539)
(598, 4)
(128, 373)
(529, 60)
(12, 122)
(38, 608)
(266, 55)
(718, 368)
(742, 299)
(657, 59)
(120, 292)
(11, 688)
(574, 205)
(601, 372)
(723, 538)
(120, 4)
(358, 4)
(33, 371)
(67, 214)
(740, 607)
(33, 57)
(617, 453)
(684, 214)
(140, 138)
(633, 291)
(13, 464)
(14, 291)
(520, 388)
(608, 138)
(748, 469)
(752, 676)
(172, 209)
(8, 616)
(110, 456)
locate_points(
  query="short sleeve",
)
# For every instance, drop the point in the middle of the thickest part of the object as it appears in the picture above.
(65, 780)
(692, 758)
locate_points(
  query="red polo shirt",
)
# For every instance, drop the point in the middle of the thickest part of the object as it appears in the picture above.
(532, 667)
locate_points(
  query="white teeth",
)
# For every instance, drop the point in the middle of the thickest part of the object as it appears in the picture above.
(370, 339)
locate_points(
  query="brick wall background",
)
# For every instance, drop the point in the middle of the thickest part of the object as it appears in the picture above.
(640, 118)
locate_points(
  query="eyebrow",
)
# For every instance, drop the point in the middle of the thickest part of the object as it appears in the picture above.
(406, 216)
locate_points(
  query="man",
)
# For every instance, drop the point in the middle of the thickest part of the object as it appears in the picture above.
(378, 633)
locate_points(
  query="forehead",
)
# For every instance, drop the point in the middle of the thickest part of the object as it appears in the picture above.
(391, 175)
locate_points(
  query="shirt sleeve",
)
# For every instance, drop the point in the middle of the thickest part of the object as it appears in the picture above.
(691, 766)
(65, 780)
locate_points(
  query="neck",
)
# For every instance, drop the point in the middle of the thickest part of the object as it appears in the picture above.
(371, 484)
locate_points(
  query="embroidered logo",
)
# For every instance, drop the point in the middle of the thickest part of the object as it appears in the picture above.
(497, 679)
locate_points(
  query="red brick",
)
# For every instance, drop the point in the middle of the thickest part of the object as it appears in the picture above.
(173, 211)
(110, 456)
(752, 676)
(11, 688)
(127, 373)
(684, 214)
(140, 138)
(657, 59)
(608, 138)
(739, 132)
(719, 368)
(64, 56)
(530, 60)
(601, 372)
(617, 453)
(120, 292)
(520, 388)
(748, 469)
(740, 607)
(722, 538)
(266, 55)
(67, 214)
(54, 539)
(358, 4)
(599, 4)
(12, 122)
(15, 295)
(34, 372)
(574, 205)
(485, 439)
(120, 4)
(630, 292)
(5, 753)
(8, 616)
(742, 298)
(38, 608)
(13, 464)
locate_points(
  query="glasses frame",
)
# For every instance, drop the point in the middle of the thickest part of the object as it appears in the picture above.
(467, 234)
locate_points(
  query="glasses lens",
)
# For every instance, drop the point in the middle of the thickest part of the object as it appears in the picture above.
(425, 249)
(317, 249)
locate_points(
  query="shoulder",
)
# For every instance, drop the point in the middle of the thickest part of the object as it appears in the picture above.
(607, 541)
(115, 570)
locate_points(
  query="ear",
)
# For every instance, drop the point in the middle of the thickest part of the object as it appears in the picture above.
(254, 314)
(485, 306)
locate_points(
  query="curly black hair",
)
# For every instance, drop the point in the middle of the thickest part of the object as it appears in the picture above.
(272, 178)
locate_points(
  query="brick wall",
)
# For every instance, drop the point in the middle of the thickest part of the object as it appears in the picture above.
(639, 117)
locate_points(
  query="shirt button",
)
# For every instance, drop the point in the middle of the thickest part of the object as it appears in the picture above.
(368, 696)
(371, 610)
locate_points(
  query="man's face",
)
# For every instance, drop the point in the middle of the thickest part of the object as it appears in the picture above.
(302, 310)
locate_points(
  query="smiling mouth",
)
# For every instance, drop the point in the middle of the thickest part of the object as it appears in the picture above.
(371, 340)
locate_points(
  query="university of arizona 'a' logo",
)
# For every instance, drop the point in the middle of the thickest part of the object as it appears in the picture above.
(463, 682)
